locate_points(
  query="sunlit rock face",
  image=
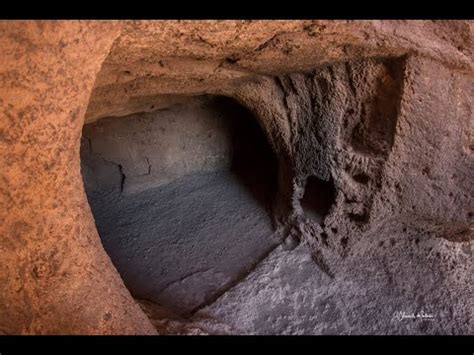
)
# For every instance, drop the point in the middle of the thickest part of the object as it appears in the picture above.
(236, 177)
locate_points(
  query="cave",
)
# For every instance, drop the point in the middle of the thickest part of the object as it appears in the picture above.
(236, 177)
(182, 198)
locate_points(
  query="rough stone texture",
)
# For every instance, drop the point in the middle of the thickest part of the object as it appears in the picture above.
(379, 110)
(390, 273)
(55, 277)
(199, 219)
(151, 58)
(198, 135)
(339, 123)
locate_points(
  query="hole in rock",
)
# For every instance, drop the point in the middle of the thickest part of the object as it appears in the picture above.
(361, 178)
(181, 198)
(319, 195)
(360, 218)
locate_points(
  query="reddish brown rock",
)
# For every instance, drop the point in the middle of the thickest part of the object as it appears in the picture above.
(55, 278)
(381, 109)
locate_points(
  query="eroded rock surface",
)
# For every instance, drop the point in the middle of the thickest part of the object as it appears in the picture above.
(152, 58)
(378, 113)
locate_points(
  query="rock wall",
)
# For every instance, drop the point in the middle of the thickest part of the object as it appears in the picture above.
(340, 123)
(147, 150)
(380, 109)
(55, 276)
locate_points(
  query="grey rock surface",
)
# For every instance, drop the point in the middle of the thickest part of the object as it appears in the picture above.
(181, 243)
(390, 277)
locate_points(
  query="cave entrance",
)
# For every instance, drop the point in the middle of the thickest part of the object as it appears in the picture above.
(181, 198)
(319, 196)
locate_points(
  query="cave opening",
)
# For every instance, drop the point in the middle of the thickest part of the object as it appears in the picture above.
(319, 196)
(181, 197)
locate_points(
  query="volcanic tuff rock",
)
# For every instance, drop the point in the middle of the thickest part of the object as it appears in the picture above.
(379, 110)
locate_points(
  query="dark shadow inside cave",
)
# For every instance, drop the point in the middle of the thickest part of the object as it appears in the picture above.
(319, 196)
(181, 198)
